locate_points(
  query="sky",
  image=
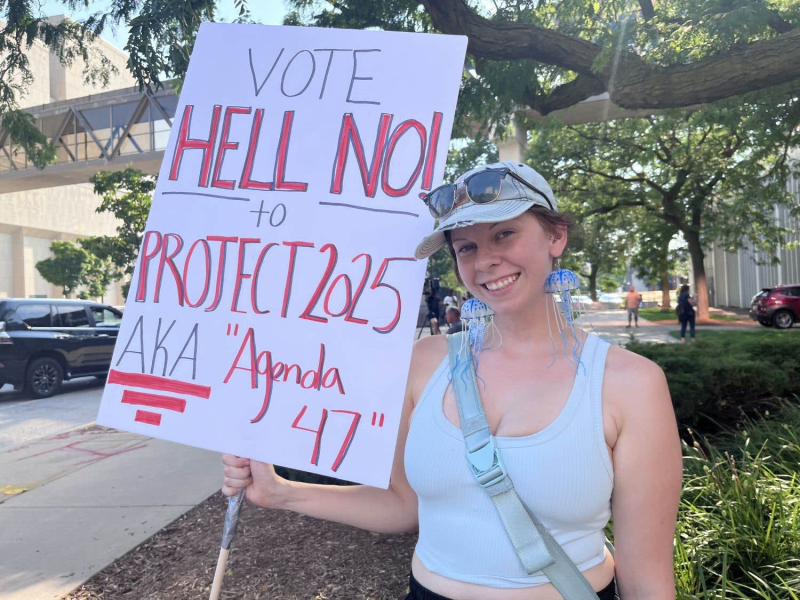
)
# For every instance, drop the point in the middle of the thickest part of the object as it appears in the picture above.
(269, 12)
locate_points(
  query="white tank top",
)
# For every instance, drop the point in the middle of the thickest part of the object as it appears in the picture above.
(562, 473)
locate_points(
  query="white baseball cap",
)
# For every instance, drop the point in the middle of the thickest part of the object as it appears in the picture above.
(514, 199)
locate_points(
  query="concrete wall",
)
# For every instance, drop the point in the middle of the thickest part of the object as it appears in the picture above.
(31, 220)
(55, 81)
(65, 209)
(735, 277)
(6, 265)
(36, 249)
(68, 82)
(38, 92)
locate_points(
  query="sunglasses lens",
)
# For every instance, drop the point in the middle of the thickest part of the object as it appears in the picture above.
(484, 187)
(441, 201)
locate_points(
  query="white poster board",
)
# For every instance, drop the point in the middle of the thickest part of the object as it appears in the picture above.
(275, 299)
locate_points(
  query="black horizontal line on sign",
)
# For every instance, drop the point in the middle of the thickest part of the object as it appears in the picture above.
(380, 210)
(206, 195)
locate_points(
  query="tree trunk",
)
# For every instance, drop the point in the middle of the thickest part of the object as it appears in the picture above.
(593, 283)
(665, 301)
(700, 283)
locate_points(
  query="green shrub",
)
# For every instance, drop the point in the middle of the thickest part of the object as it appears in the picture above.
(738, 532)
(722, 380)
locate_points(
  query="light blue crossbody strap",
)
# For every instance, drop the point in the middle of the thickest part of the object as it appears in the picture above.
(536, 548)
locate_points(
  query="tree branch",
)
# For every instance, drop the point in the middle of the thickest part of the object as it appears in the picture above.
(756, 66)
(503, 40)
(601, 210)
(567, 94)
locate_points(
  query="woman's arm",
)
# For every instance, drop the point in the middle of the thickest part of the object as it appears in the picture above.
(393, 510)
(647, 476)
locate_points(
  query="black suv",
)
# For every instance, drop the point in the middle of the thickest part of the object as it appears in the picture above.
(44, 341)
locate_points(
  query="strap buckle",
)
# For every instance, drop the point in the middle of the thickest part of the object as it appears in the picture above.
(486, 465)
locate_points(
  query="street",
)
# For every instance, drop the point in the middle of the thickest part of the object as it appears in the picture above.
(24, 419)
(66, 484)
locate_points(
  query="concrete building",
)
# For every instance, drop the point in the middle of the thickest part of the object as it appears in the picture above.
(30, 220)
(735, 277)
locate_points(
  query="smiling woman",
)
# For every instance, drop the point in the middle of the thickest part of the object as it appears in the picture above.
(561, 440)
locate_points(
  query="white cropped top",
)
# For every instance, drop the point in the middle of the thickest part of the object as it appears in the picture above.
(563, 473)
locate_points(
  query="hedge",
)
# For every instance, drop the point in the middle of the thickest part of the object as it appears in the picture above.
(721, 380)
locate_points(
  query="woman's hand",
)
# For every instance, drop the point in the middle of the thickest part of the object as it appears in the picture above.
(264, 487)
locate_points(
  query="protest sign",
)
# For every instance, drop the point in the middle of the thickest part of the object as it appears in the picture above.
(273, 307)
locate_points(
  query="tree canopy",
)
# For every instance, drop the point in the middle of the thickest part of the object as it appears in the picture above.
(539, 55)
(126, 194)
(73, 266)
(712, 175)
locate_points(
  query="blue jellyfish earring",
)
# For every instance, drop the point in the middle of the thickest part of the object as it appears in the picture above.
(476, 314)
(563, 282)
(477, 318)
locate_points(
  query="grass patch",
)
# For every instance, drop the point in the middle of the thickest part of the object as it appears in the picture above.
(727, 318)
(656, 314)
(738, 533)
(745, 336)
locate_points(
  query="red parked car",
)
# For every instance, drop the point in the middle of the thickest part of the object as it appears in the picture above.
(777, 306)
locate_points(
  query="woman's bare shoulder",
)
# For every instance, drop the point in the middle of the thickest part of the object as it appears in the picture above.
(632, 382)
(426, 356)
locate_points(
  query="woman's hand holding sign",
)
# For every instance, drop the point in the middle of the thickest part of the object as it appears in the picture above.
(264, 487)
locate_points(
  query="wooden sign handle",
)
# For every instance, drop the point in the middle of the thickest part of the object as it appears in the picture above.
(216, 587)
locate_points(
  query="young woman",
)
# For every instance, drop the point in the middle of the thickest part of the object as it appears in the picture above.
(686, 313)
(581, 444)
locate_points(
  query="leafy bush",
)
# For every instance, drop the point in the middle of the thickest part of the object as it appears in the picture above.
(738, 532)
(724, 379)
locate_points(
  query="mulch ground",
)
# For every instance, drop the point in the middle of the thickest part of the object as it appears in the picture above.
(276, 554)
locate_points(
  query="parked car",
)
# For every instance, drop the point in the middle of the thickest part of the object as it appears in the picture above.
(583, 299)
(44, 341)
(777, 306)
(611, 300)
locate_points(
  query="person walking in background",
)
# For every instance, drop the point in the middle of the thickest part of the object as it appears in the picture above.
(450, 301)
(632, 302)
(685, 310)
(453, 318)
(433, 312)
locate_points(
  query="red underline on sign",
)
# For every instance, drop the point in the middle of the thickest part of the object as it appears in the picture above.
(380, 210)
(154, 400)
(150, 418)
(162, 384)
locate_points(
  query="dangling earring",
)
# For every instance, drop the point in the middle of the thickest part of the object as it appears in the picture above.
(563, 282)
(476, 315)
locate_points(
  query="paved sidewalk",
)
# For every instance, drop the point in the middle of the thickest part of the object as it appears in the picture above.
(70, 504)
(611, 324)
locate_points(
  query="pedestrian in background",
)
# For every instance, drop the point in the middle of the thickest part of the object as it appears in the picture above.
(453, 318)
(433, 312)
(685, 310)
(632, 301)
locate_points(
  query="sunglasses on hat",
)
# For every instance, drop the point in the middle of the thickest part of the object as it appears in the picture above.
(481, 187)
